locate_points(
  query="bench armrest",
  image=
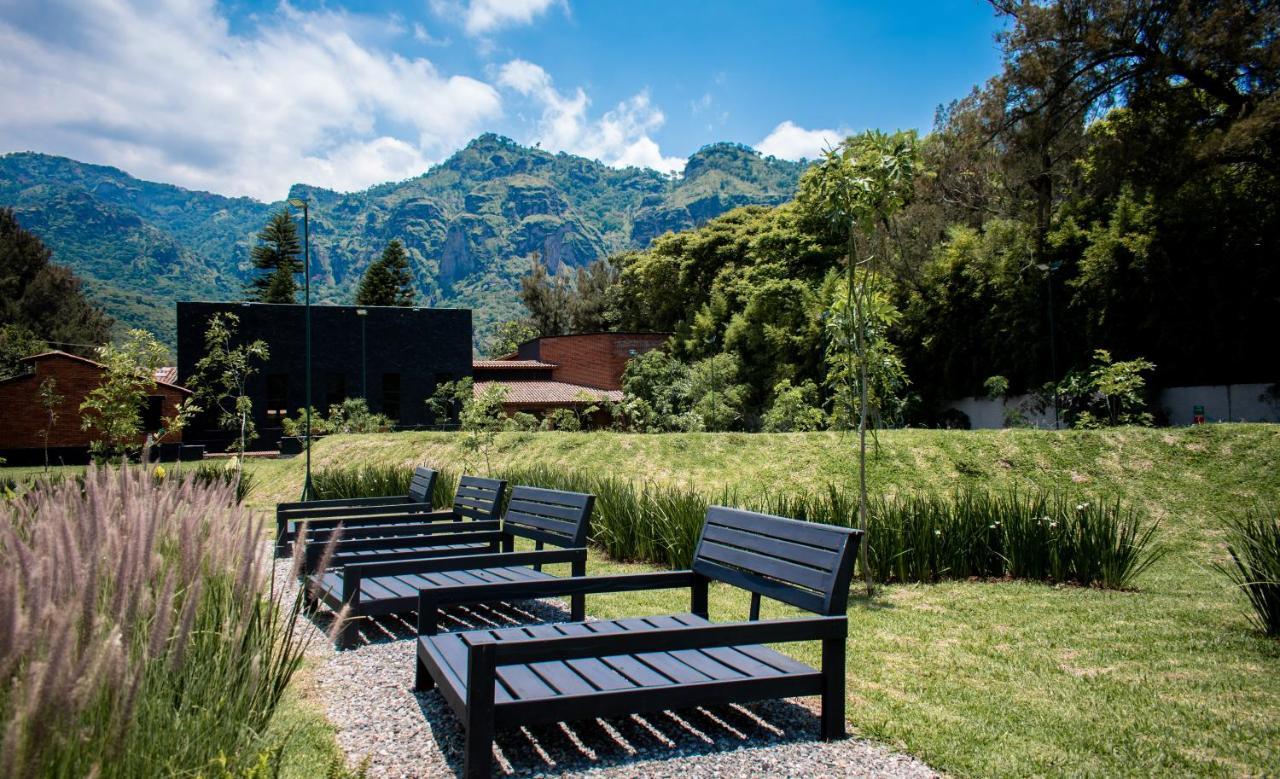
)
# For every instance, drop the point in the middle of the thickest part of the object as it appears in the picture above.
(380, 500)
(430, 601)
(464, 561)
(659, 639)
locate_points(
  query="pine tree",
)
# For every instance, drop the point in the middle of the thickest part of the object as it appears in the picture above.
(276, 259)
(387, 281)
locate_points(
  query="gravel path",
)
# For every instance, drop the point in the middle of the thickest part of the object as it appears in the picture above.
(368, 697)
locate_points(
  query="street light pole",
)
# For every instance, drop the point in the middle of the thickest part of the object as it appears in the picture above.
(306, 254)
(364, 386)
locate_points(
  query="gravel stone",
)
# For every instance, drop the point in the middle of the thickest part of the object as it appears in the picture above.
(395, 732)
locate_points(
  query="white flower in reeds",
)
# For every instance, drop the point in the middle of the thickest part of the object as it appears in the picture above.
(1081, 506)
(937, 532)
(1053, 524)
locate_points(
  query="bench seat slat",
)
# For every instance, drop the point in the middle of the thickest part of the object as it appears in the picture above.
(581, 678)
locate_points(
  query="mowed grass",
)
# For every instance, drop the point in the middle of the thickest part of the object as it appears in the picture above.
(980, 678)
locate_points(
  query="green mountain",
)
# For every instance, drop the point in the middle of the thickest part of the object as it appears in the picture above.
(471, 225)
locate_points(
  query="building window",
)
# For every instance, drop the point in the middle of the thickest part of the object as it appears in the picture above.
(153, 413)
(391, 395)
(277, 396)
(335, 389)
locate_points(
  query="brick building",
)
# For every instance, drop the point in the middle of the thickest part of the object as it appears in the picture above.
(23, 420)
(564, 371)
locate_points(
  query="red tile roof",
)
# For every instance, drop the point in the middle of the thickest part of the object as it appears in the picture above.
(548, 392)
(502, 364)
(166, 375)
(59, 354)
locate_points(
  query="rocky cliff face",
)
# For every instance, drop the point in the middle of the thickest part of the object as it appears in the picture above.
(471, 225)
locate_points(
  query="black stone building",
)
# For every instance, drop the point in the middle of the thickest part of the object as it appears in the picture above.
(393, 357)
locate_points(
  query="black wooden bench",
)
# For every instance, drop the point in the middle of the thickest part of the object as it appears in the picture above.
(476, 498)
(554, 673)
(290, 515)
(393, 581)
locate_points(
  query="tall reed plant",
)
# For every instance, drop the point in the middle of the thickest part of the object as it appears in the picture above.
(1254, 545)
(375, 481)
(139, 633)
(917, 537)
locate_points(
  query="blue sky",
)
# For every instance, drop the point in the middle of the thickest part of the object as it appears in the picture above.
(247, 97)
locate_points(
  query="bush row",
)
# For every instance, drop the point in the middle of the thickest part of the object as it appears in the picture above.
(911, 538)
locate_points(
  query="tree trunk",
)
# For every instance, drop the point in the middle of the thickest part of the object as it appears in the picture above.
(857, 308)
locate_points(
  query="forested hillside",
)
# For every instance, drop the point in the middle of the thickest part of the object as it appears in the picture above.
(1116, 187)
(470, 225)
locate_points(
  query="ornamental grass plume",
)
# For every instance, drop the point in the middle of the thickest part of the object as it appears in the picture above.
(137, 632)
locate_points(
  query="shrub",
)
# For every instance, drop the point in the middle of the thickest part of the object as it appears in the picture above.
(1254, 545)
(209, 474)
(353, 416)
(522, 422)
(562, 419)
(373, 481)
(794, 409)
(911, 538)
(139, 637)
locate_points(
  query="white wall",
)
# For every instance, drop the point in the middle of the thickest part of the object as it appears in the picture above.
(1222, 403)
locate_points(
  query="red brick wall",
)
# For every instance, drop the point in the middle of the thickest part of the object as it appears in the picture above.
(23, 419)
(596, 360)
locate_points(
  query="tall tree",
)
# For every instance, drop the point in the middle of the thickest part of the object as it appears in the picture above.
(276, 258)
(859, 186)
(387, 281)
(41, 303)
(548, 298)
(220, 379)
(114, 407)
(507, 337)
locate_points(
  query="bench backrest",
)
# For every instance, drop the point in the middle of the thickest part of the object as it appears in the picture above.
(554, 517)
(479, 498)
(801, 563)
(422, 485)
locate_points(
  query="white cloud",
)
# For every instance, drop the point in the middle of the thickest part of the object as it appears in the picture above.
(620, 137)
(167, 91)
(481, 17)
(789, 141)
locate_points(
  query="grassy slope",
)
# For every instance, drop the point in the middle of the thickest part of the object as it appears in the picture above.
(979, 679)
(1003, 679)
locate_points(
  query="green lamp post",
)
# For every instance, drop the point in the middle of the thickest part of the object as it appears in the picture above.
(306, 283)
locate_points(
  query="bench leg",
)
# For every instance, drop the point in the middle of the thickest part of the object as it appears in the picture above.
(480, 684)
(833, 688)
(577, 608)
(310, 604)
(422, 680)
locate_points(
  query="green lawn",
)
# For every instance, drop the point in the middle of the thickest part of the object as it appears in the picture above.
(988, 679)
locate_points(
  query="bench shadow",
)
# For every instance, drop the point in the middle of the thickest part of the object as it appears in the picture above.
(568, 747)
(387, 628)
